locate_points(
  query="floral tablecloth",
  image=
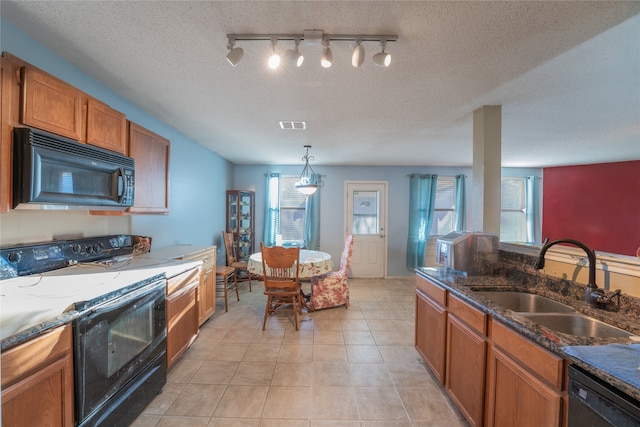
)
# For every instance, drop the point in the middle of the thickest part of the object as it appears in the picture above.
(312, 263)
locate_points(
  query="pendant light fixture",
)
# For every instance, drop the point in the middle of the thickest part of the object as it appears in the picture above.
(308, 183)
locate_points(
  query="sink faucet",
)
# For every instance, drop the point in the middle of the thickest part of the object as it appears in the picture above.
(591, 294)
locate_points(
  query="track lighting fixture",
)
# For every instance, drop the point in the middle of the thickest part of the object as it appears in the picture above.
(274, 59)
(294, 54)
(327, 56)
(311, 38)
(382, 59)
(358, 54)
(235, 54)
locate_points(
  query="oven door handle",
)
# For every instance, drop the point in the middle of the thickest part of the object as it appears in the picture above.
(126, 298)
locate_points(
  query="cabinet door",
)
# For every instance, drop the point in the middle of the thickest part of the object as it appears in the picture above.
(207, 295)
(51, 104)
(106, 127)
(517, 398)
(182, 321)
(431, 333)
(151, 154)
(466, 364)
(9, 90)
(37, 382)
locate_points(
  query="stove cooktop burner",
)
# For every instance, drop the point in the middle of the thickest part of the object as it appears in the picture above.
(23, 260)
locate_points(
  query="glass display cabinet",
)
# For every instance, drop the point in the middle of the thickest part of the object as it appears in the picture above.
(240, 222)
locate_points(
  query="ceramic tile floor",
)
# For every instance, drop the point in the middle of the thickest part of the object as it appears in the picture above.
(344, 368)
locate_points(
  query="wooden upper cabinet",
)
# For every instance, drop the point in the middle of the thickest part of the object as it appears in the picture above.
(9, 95)
(151, 154)
(106, 127)
(51, 104)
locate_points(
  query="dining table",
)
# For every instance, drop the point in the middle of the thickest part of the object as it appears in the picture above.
(312, 263)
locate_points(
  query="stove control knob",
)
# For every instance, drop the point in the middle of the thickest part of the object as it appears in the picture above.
(76, 248)
(98, 249)
(14, 257)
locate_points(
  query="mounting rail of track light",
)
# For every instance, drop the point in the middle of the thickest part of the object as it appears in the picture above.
(312, 37)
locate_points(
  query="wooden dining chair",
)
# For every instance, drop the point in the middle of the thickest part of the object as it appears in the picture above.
(232, 258)
(332, 289)
(281, 285)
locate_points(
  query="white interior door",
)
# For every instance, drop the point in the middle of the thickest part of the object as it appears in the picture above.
(365, 218)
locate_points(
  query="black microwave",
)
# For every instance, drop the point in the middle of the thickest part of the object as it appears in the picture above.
(52, 172)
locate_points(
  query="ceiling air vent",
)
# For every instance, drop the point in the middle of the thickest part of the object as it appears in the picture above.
(293, 125)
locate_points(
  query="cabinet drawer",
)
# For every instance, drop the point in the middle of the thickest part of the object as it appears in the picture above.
(543, 363)
(175, 283)
(27, 358)
(473, 317)
(433, 291)
(207, 256)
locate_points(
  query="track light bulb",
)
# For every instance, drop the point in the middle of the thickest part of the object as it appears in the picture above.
(274, 59)
(327, 56)
(294, 55)
(235, 54)
(358, 55)
(382, 59)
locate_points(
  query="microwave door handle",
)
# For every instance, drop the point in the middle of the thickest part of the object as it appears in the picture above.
(121, 185)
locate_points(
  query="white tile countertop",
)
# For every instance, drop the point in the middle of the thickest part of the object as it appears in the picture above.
(29, 301)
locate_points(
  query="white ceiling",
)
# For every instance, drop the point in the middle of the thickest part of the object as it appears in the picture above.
(567, 75)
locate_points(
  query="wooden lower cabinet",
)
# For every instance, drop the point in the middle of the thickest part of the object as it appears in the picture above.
(494, 375)
(466, 369)
(431, 334)
(37, 381)
(207, 293)
(525, 382)
(182, 313)
(207, 288)
(517, 397)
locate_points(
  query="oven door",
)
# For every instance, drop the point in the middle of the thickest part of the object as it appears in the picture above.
(115, 341)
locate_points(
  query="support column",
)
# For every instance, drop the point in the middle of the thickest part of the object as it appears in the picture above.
(487, 159)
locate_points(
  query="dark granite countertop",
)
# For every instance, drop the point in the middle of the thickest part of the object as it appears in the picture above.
(626, 316)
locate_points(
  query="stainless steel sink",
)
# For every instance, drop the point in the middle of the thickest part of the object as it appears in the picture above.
(525, 303)
(576, 324)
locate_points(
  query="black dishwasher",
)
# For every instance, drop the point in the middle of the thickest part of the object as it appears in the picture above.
(594, 403)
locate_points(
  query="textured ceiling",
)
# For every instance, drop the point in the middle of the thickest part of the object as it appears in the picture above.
(565, 73)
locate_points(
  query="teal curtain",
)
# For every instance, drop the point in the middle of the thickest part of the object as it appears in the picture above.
(271, 209)
(422, 197)
(460, 207)
(532, 210)
(312, 222)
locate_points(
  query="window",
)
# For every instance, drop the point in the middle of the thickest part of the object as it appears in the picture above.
(512, 210)
(444, 210)
(292, 210)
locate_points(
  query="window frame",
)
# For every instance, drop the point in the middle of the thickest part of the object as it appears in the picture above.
(287, 182)
(450, 180)
(522, 211)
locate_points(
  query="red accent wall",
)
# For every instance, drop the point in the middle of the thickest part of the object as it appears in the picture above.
(598, 205)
